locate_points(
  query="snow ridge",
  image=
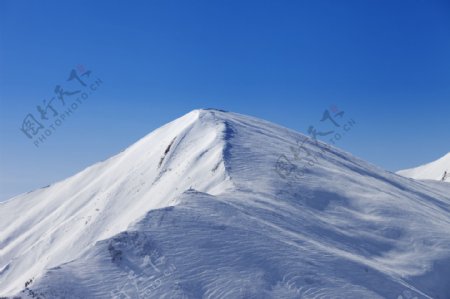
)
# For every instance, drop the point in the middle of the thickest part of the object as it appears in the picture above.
(438, 170)
(196, 209)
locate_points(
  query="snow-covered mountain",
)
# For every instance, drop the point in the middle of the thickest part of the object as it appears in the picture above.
(221, 205)
(438, 170)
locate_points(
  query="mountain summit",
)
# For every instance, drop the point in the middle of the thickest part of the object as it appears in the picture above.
(210, 206)
(438, 170)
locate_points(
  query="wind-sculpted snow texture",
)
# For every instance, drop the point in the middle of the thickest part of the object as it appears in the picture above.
(196, 209)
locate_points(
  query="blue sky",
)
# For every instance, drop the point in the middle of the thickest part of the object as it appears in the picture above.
(385, 63)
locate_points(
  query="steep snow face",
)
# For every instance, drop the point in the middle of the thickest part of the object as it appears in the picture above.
(438, 170)
(53, 225)
(215, 216)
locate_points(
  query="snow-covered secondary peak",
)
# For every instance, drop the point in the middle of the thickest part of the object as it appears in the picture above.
(438, 170)
(221, 205)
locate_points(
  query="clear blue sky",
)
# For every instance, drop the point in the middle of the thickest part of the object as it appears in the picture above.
(385, 63)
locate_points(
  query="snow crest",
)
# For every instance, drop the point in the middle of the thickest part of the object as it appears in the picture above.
(197, 209)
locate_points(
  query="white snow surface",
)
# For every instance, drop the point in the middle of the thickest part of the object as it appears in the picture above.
(196, 209)
(431, 171)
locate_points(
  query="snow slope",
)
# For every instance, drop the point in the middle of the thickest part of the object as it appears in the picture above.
(197, 209)
(431, 171)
